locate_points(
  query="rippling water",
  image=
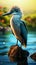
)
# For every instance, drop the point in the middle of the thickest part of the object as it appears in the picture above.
(8, 39)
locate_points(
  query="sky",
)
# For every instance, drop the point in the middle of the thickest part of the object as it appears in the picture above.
(25, 5)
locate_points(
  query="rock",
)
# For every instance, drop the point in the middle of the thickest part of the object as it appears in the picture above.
(33, 56)
(16, 54)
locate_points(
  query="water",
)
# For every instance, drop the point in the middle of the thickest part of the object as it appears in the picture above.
(8, 39)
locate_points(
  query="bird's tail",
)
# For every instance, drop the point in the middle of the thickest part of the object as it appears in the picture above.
(24, 43)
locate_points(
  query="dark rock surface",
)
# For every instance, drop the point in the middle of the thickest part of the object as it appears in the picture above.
(16, 54)
(33, 56)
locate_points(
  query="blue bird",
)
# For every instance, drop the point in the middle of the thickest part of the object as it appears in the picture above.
(18, 26)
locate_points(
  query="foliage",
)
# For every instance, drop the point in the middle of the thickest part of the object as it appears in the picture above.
(30, 19)
(4, 20)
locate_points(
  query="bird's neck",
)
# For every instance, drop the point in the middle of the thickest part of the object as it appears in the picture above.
(17, 16)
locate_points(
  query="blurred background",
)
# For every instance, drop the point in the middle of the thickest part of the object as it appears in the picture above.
(27, 6)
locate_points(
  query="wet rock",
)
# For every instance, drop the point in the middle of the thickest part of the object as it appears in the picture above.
(16, 54)
(33, 56)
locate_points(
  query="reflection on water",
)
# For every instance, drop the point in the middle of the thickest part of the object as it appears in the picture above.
(9, 39)
(22, 63)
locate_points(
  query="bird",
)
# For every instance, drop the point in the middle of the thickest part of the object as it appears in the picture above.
(18, 26)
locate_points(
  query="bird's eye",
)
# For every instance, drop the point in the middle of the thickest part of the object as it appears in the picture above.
(16, 10)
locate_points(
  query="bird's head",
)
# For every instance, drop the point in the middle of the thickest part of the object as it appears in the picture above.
(15, 11)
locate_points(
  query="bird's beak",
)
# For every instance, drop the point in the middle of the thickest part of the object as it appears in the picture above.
(6, 14)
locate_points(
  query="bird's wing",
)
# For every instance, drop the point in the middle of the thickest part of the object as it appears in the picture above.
(25, 26)
(23, 31)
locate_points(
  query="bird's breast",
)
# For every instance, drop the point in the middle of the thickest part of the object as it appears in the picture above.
(15, 27)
